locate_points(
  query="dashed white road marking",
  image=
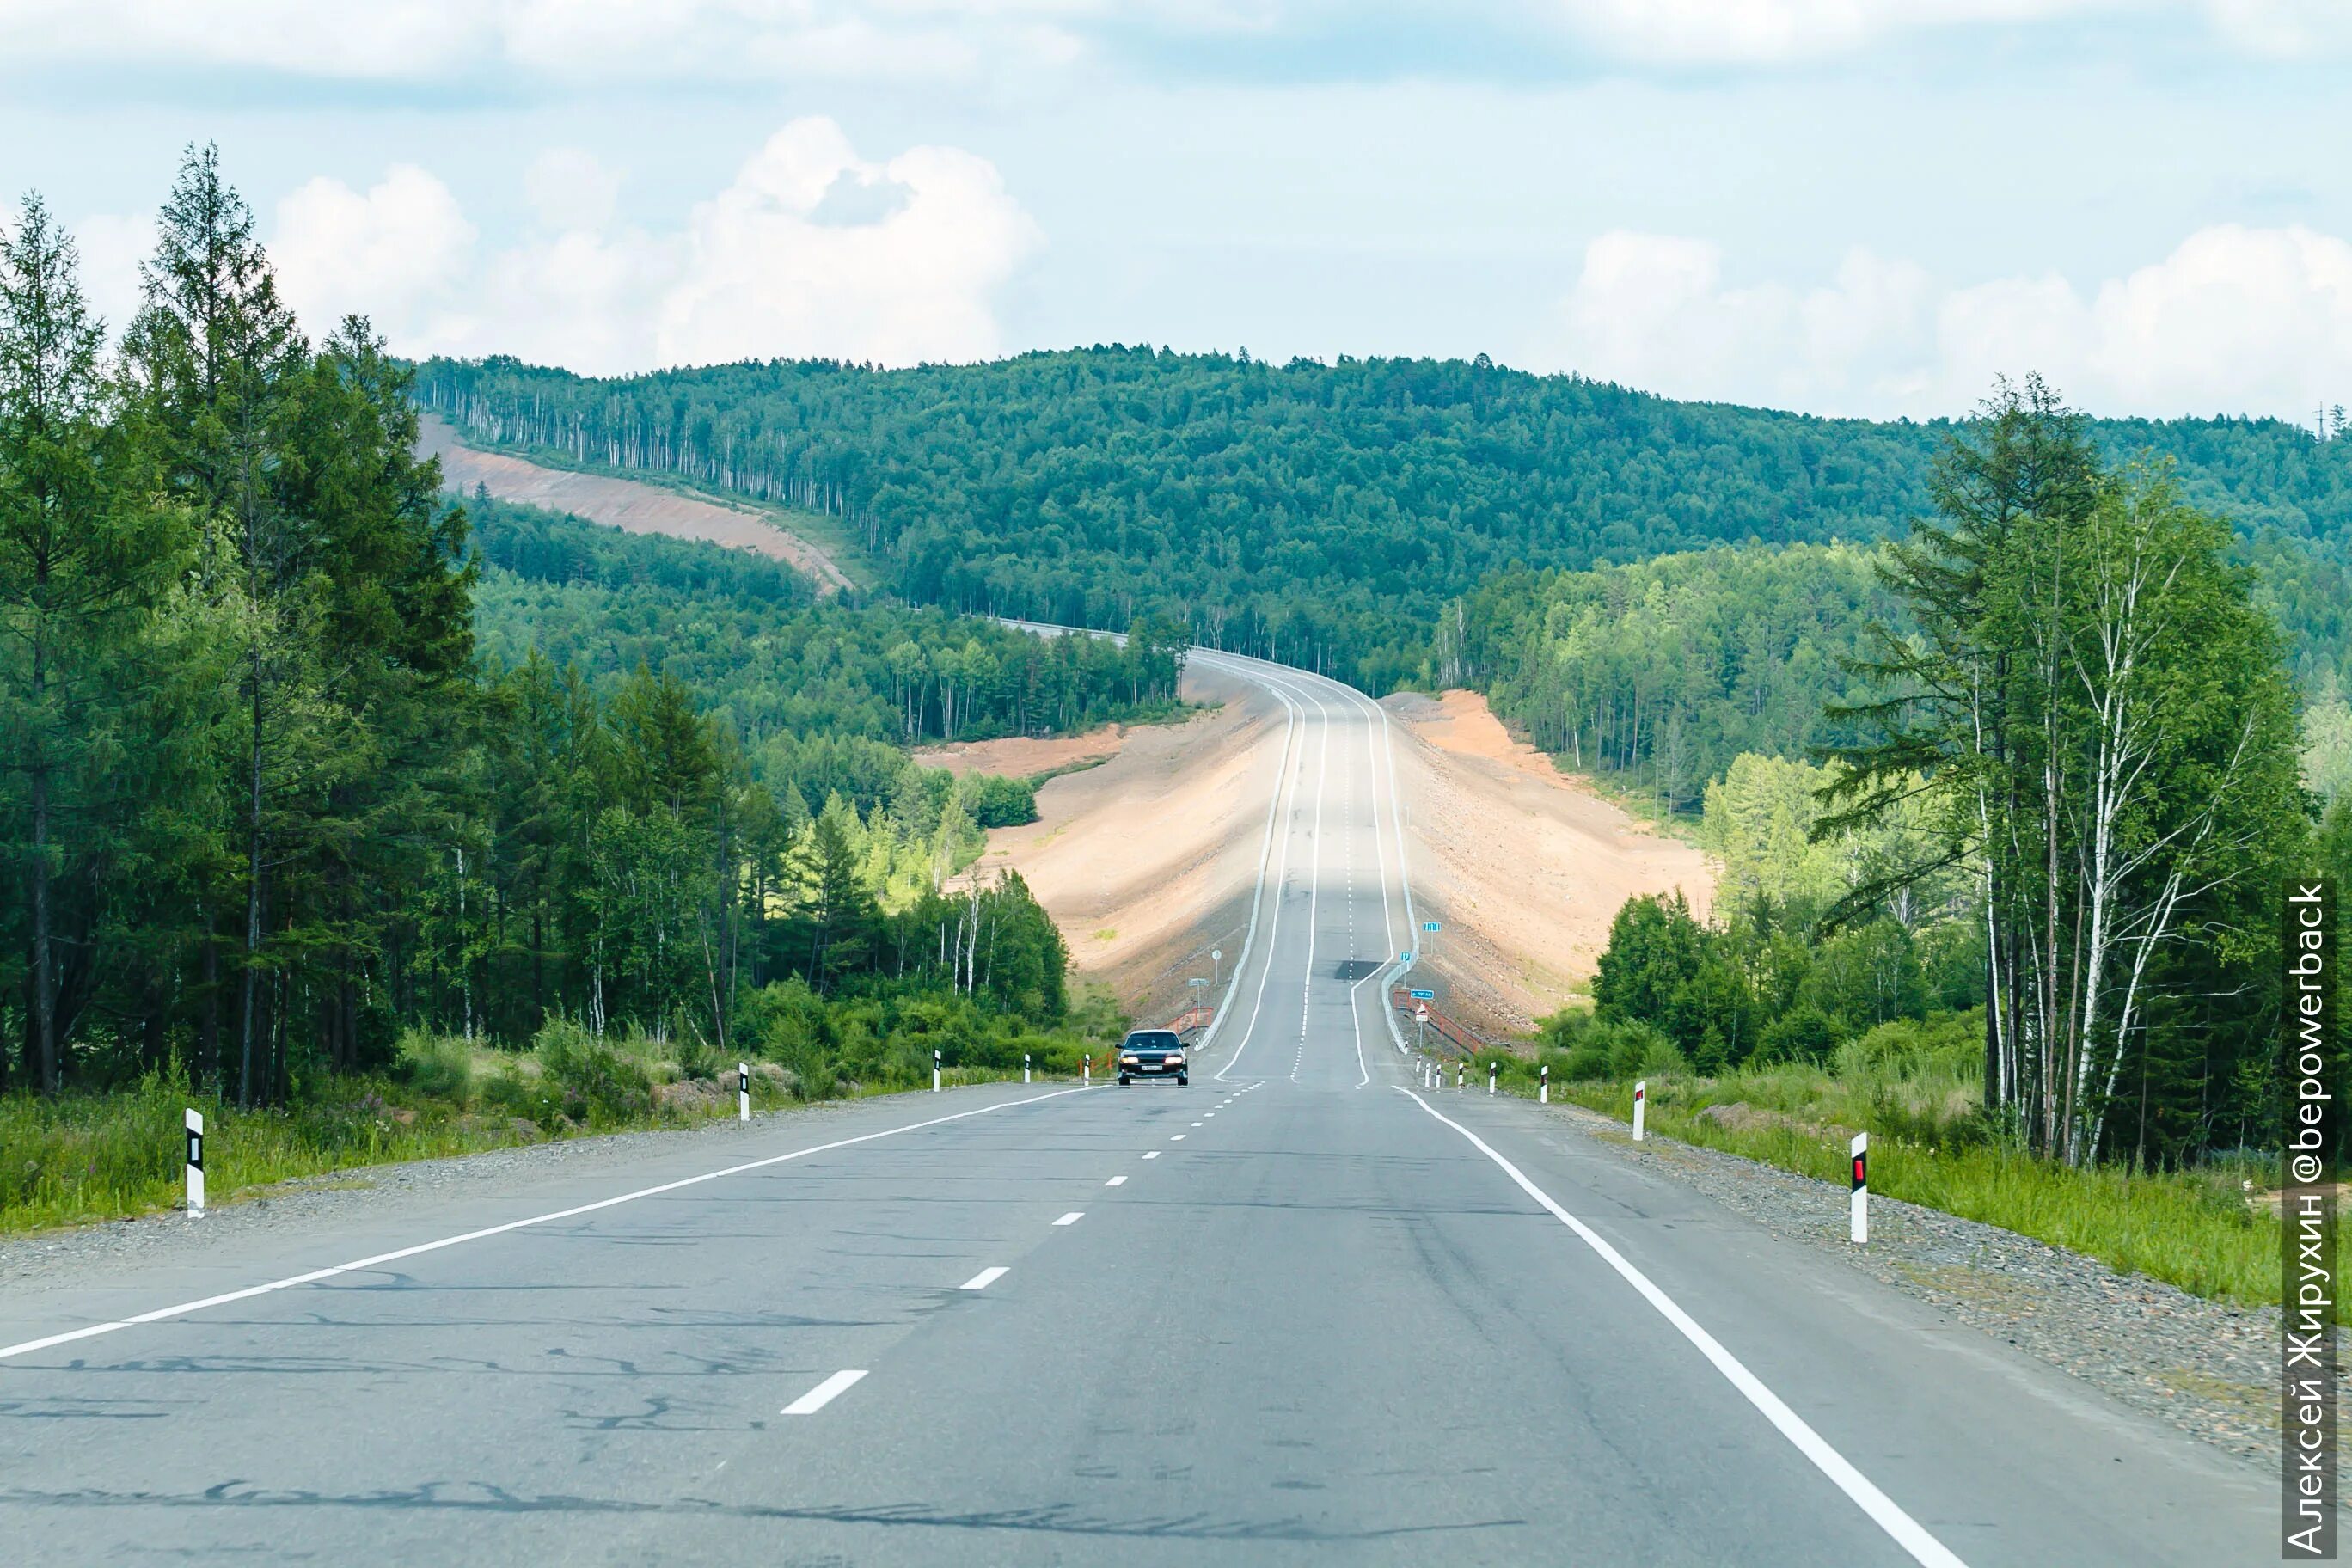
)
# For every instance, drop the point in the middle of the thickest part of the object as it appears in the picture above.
(1176, 1138)
(985, 1278)
(1116, 1181)
(182, 1308)
(823, 1394)
(1072, 1217)
(1151, 1153)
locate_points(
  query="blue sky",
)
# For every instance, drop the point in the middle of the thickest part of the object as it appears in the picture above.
(1866, 207)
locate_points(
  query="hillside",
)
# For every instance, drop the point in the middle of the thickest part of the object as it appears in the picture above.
(1317, 513)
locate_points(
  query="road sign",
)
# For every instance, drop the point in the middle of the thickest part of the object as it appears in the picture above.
(1425, 995)
(1429, 925)
(1404, 958)
(1420, 1014)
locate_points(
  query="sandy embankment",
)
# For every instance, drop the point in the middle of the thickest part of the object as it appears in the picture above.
(626, 504)
(1147, 860)
(1523, 865)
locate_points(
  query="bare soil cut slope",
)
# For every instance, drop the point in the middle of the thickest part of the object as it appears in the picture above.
(1524, 866)
(627, 504)
(1141, 910)
(1025, 757)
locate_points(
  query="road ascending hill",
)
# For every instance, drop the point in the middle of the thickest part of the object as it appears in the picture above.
(1302, 1311)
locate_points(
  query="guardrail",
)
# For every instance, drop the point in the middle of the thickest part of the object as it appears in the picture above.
(1192, 1019)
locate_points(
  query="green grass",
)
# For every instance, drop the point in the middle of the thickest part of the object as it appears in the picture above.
(1930, 1145)
(89, 1156)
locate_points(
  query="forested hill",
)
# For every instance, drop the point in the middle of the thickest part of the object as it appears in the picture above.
(1317, 513)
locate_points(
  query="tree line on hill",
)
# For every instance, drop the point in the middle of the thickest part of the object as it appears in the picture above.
(291, 759)
(1317, 514)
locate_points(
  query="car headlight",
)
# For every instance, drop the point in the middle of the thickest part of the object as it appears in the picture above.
(1175, 1058)
(1128, 1061)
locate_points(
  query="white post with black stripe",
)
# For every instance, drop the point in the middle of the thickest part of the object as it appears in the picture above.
(1543, 1095)
(1494, 1071)
(742, 1091)
(935, 1071)
(195, 1165)
(1024, 1067)
(1641, 1101)
(1861, 1200)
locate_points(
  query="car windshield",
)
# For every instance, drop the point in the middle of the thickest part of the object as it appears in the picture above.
(1158, 1041)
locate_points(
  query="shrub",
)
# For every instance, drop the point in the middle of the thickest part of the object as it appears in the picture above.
(1802, 1034)
(439, 1067)
(599, 1084)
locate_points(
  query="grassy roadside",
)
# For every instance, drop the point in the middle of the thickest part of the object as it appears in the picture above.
(88, 1157)
(2195, 1229)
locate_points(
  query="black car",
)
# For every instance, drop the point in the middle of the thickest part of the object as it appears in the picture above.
(1152, 1053)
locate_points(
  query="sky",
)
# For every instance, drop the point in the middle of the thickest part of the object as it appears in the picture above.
(1842, 206)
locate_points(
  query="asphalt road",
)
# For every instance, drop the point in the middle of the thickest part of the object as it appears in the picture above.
(1300, 1312)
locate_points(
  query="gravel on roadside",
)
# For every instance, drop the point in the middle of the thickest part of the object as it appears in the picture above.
(2211, 1368)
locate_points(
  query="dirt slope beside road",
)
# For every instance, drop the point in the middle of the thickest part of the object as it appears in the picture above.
(1147, 861)
(627, 504)
(1524, 866)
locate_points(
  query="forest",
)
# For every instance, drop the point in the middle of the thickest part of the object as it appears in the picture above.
(373, 820)
(2028, 831)
(1315, 513)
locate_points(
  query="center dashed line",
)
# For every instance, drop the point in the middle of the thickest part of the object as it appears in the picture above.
(1116, 1181)
(824, 1392)
(985, 1278)
(1072, 1217)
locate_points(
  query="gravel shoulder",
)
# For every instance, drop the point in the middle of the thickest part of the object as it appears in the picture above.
(2206, 1367)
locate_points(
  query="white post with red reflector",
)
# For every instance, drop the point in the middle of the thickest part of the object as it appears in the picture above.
(1641, 1102)
(195, 1163)
(1860, 1199)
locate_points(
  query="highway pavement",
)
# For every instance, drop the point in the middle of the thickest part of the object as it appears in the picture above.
(1302, 1312)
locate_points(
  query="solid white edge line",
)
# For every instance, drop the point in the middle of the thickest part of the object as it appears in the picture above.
(1292, 713)
(1907, 1532)
(823, 1394)
(985, 1278)
(183, 1308)
(1294, 774)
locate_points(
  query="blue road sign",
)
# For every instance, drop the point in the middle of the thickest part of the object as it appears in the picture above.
(1429, 925)
(1425, 995)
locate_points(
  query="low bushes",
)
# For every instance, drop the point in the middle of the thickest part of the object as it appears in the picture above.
(1912, 1085)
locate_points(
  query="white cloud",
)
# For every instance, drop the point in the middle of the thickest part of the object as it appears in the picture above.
(2284, 30)
(983, 41)
(383, 252)
(1716, 32)
(561, 40)
(757, 270)
(2235, 320)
